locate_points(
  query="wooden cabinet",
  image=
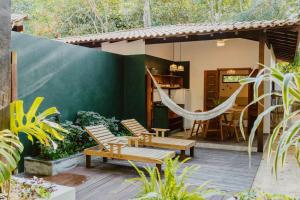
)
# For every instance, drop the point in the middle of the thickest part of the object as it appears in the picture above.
(165, 118)
(160, 115)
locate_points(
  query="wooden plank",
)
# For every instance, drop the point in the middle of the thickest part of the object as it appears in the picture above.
(261, 60)
(14, 78)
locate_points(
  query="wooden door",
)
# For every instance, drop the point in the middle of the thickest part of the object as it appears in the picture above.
(211, 88)
(211, 94)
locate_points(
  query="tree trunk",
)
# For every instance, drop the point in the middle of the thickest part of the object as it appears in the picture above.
(147, 14)
(5, 83)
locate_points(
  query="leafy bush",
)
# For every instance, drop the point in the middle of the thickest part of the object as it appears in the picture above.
(258, 195)
(88, 118)
(173, 186)
(74, 142)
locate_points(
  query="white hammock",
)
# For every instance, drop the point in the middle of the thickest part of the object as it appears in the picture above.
(167, 101)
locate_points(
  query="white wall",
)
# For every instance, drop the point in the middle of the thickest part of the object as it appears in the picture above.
(124, 47)
(205, 55)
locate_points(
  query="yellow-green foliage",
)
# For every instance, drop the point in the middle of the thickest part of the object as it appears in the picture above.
(35, 126)
(171, 185)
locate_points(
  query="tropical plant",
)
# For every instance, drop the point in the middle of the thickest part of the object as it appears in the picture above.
(74, 142)
(173, 186)
(286, 135)
(288, 67)
(89, 118)
(35, 126)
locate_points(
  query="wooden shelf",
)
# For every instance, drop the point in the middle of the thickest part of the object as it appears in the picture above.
(170, 76)
(169, 81)
(175, 87)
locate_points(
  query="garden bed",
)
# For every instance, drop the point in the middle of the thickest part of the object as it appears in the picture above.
(36, 188)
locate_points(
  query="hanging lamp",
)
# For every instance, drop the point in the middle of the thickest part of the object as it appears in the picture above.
(180, 68)
(173, 66)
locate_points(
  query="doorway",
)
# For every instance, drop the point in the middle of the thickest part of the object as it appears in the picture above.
(219, 85)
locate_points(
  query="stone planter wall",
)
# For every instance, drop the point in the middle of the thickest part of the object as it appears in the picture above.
(36, 166)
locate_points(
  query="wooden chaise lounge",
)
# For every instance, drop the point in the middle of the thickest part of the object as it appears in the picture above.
(149, 139)
(111, 147)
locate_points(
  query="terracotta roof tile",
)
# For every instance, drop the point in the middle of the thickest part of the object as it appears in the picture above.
(178, 30)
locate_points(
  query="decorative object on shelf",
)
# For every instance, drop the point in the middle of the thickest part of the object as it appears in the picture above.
(173, 66)
(231, 71)
(154, 70)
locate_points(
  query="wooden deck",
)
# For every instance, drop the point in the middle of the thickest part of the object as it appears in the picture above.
(228, 171)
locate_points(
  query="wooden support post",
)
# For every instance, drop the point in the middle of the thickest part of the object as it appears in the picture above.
(182, 154)
(88, 161)
(192, 151)
(260, 108)
(14, 79)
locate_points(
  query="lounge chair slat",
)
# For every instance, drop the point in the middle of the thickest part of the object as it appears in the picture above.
(97, 129)
(102, 134)
(105, 137)
(109, 140)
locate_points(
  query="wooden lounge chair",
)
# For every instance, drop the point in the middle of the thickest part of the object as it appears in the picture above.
(111, 147)
(148, 139)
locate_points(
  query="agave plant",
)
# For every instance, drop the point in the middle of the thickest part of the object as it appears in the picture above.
(173, 186)
(35, 126)
(287, 131)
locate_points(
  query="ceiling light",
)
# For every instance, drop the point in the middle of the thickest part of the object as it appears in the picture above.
(220, 43)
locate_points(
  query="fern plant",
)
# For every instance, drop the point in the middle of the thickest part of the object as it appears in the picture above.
(35, 126)
(173, 186)
(286, 134)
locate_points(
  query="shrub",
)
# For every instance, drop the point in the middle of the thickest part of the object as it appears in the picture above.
(88, 118)
(74, 142)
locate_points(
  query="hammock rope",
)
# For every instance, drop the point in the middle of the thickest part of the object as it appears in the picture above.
(167, 101)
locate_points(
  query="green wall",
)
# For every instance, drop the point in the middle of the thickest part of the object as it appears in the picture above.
(134, 88)
(72, 78)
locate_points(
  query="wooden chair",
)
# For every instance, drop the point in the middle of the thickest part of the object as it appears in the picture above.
(231, 124)
(155, 140)
(111, 147)
(199, 124)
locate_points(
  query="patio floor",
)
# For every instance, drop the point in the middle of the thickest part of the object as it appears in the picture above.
(227, 170)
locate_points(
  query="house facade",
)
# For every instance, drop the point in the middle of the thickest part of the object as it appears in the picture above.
(221, 50)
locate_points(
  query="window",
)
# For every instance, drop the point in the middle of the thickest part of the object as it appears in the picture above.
(233, 78)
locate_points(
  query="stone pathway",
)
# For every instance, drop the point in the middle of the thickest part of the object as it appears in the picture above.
(288, 181)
